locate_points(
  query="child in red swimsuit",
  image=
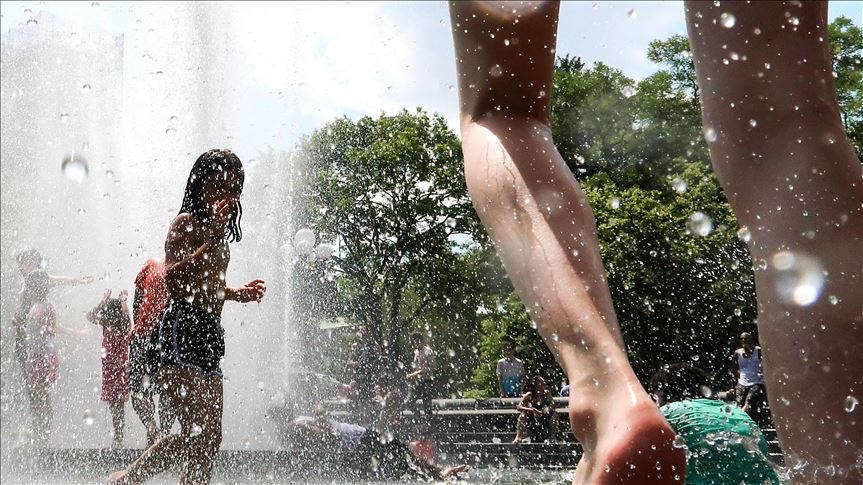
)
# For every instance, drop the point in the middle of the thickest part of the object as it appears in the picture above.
(112, 314)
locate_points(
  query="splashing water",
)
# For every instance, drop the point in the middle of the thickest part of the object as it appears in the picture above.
(710, 135)
(75, 167)
(679, 185)
(614, 203)
(851, 403)
(798, 278)
(700, 224)
(679, 442)
(727, 20)
(744, 234)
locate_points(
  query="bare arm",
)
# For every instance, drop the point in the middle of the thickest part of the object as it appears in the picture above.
(525, 405)
(136, 304)
(69, 280)
(251, 291)
(93, 314)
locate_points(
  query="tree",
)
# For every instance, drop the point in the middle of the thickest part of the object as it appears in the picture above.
(846, 46)
(390, 194)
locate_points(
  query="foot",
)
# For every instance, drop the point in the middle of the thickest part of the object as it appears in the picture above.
(632, 444)
(452, 470)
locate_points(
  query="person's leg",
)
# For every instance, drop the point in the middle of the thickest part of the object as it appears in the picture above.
(140, 387)
(177, 388)
(118, 419)
(206, 410)
(779, 149)
(40, 411)
(544, 231)
(521, 425)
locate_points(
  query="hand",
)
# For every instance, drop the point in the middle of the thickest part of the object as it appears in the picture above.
(122, 296)
(219, 213)
(85, 280)
(252, 291)
(106, 295)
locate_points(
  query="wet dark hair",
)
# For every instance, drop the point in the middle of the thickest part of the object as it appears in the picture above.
(417, 335)
(215, 161)
(679, 381)
(111, 314)
(30, 256)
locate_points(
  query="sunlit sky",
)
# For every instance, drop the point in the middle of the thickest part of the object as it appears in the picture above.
(361, 58)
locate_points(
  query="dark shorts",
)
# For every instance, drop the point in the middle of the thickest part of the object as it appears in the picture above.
(190, 337)
(752, 395)
(142, 360)
(379, 458)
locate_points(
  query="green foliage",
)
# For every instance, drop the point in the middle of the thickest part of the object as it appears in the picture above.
(846, 47)
(390, 194)
(508, 321)
(678, 296)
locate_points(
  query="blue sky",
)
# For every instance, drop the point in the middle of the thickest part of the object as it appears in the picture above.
(299, 64)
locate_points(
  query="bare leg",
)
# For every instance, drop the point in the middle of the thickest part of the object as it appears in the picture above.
(544, 231)
(793, 179)
(197, 401)
(118, 418)
(41, 411)
(145, 408)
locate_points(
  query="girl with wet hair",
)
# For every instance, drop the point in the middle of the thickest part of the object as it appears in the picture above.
(190, 338)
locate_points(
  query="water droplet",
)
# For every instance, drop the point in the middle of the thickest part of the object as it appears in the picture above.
(32, 23)
(614, 203)
(710, 135)
(64, 117)
(851, 403)
(679, 442)
(75, 167)
(753, 123)
(695, 358)
(595, 6)
(196, 430)
(833, 299)
(632, 13)
(183, 391)
(450, 87)
(700, 224)
(679, 185)
(103, 352)
(798, 278)
(495, 70)
(627, 91)
(109, 174)
(727, 20)
(170, 130)
(86, 88)
(744, 234)
(88, 417)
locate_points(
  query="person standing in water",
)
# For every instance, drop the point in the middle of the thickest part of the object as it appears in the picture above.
(112, 314)
(28, 261)
(147, 306)
(191, 339)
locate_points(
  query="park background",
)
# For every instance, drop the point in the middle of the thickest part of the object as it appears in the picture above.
(345, 115)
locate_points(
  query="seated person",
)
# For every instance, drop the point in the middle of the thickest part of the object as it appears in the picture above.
(367, 453)
(537, 417)
(725, 445)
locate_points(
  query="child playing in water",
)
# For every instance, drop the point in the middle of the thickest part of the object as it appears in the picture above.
(112, 314)
(42, 360)
(191, 339)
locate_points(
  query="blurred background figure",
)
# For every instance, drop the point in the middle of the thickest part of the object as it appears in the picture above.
(112, 314)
